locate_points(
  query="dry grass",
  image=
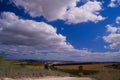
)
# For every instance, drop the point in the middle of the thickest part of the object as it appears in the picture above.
(85, 67)
(68, 67)
(97, 71)
(107, 75)
(13, 69)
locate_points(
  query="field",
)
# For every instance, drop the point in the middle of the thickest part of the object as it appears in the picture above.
(29, 68)
(24, 69)
(99, 71)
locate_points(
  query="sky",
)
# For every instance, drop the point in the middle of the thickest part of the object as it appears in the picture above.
(65, 30)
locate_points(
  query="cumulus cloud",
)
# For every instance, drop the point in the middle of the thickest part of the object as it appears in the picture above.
(111, 29)
(50, 9)
(114, 3)
(28, 39)
(113, 38)
(118, 20)
(63, 10)
(24, 52)
(16, 31)
(85, 13)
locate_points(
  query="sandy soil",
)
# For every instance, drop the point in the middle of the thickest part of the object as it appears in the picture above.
(67, 78)
(53, 78)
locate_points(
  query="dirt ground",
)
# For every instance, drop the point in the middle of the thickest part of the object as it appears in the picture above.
(53, 78)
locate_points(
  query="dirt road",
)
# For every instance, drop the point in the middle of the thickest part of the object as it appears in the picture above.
(53, 78)
(67, 78)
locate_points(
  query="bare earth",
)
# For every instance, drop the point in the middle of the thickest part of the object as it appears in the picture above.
(67, 78)
(53, 78)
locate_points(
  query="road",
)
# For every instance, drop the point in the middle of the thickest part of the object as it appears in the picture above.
(53, 78)
(67, 78)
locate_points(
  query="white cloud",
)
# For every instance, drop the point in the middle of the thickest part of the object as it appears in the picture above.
(114, 3)
(63, 10)
(85, 13)
(28, 39)
(16, 31)
(113, 38)
(118, 20)
(24, 52)
(111, 29)
(50, 9)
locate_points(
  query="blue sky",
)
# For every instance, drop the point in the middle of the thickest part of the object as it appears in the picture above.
(71, 30)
